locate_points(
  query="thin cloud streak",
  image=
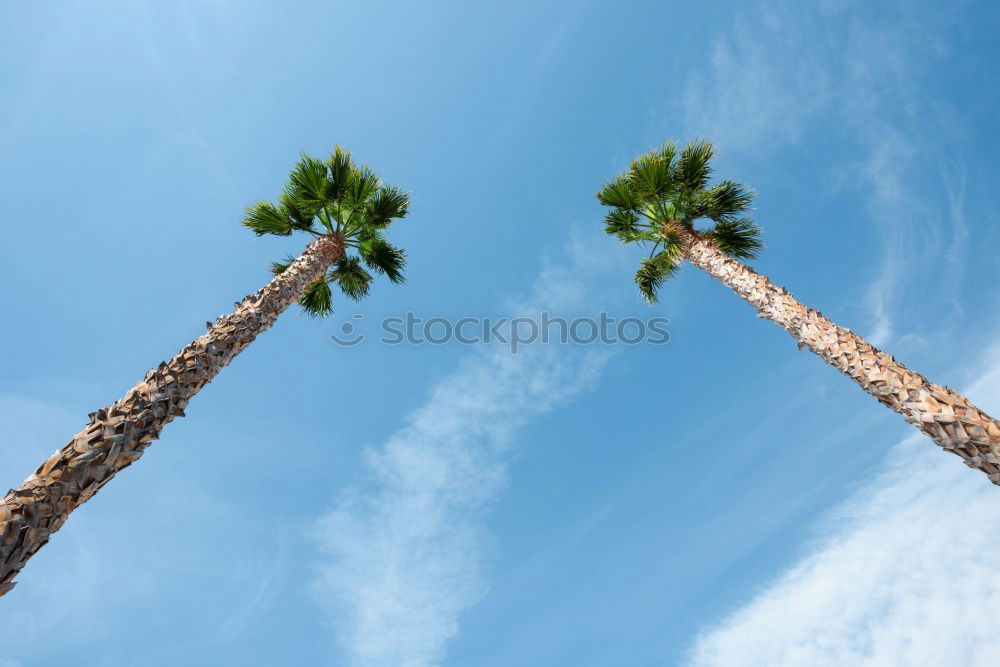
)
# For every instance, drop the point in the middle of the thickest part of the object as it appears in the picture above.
(269, 573)
(904, 575)
(407, 553)
(785, 71)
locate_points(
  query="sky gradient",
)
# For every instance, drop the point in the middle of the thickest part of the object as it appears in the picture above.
(723, 499)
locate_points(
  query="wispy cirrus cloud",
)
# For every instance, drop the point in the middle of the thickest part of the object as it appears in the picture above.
(787, 73)
(903, 575)
(406, 553)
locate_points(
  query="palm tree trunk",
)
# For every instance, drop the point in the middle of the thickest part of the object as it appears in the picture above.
(118, 435)
(943, 414)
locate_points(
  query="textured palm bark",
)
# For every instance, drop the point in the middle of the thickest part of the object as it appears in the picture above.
(946, 416)
(118, 435)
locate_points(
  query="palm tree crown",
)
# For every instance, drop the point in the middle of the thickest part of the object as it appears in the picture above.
(336, 197)
(658, 199)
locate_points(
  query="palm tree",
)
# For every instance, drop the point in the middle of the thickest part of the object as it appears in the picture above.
(656, 203)
(347, 209)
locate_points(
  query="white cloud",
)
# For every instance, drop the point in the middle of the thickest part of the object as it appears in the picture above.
(407, 554)
(752, 97)
(839, 72)
(905, 575)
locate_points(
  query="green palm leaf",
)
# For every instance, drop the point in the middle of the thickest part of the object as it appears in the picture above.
(388, 203)
(301, 220)
(362, 187)
(651, 275)
(277, 268)
(651, 176)
(622, 223)
(307, 185)
(739, 238)
(317, 300)
(693, 169)
(383, 258)
(352, 278)
(264, 218)
(724, 200)
(668, 152)
(341, 170)
(620, 193)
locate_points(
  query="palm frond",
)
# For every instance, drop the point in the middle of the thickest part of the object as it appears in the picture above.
(656, 270)
(277, 268)
(351, 277)
(693, 168)
(301, 220)
(667, 152)
(651, 176)
(302, 211)
(307, 185)
(364, 183)
(622, 223)
(370, 233)
(663, 210)
(726, 199)
(619, 193)
(264, 218)
(341, 173)
(739, 238)
(317, 300)
(388, 204)
(383, 258)
(672, 246)
(650, 277)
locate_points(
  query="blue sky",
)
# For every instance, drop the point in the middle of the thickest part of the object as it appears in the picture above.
(720, 500)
